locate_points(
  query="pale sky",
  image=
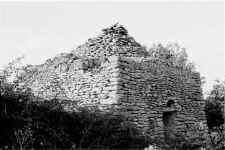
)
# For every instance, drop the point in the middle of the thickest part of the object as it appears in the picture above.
(42, 30)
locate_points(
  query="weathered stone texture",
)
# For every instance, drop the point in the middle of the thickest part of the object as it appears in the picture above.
(111, 72)
(84, 85)
(147, 86)
(138, 87)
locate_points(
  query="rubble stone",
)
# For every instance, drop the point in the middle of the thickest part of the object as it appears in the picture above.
(113, 72)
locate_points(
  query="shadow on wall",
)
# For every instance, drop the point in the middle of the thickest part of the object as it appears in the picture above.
(27, 124)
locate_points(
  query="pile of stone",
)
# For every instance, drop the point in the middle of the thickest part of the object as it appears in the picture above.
(113, 41)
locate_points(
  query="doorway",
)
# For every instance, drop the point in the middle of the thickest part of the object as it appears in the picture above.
(169, 125)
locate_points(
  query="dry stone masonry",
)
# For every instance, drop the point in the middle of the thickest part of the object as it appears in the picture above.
(113, 72)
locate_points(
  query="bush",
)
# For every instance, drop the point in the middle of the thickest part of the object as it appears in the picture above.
(27, 124)
(216, 139)
(195, 138)
(214, 107)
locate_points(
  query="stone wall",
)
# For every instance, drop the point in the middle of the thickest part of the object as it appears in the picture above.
(113, 72)
(84, 84)
(145, 88)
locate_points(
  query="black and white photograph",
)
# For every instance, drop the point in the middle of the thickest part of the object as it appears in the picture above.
(112, 75)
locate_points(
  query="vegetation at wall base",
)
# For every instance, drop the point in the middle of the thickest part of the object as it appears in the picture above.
(25, 124)
(45, 125)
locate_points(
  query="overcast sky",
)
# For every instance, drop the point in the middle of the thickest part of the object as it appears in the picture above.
(42, 30)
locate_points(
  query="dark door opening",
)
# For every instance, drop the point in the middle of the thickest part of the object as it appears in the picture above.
(169, 125)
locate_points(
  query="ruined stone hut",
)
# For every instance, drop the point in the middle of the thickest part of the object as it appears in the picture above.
(112, 72)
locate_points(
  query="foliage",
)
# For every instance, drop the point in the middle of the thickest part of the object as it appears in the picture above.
(11, 77)
(172, 54)
(215, 116)
(218, 90)
(42, 125)
(14, 70)
(195, 138)
(212, 140)
(216, 138)
(215, 105)
(27, 124)
(152, 147)
(23, 137)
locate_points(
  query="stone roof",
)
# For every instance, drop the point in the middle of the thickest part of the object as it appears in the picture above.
(113, 40)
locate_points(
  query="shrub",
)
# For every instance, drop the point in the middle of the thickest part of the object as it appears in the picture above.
(195, 138)
(216, 138)
(27, 124)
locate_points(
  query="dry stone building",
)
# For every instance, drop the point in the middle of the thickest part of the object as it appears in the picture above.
(113, 72)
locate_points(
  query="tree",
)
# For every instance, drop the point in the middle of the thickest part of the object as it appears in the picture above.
(218, 90)
(215, 105)
(14, 72)
(14, 69)
(172, 54)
